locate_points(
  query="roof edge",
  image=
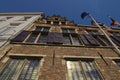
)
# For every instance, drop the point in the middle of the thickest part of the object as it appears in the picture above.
(21, 13)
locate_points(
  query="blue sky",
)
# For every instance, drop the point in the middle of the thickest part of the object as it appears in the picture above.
(66, 8)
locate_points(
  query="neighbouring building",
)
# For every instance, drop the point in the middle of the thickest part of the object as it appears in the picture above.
(12, 23)
(55, 48)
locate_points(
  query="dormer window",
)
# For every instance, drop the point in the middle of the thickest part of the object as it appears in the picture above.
(56, 23)
(48, 22)
(56, 18)
(63, 23)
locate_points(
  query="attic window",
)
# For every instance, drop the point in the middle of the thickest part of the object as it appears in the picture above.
(9, 17)
(56, 18)
(48, 22)
(56, 23)
(15, 24)
(63, 23)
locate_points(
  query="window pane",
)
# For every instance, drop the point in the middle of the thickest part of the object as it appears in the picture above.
(56, 23)
(32, 37)
(7, 31)
(105, 40)
(93, 32)
(55, 38)
(72, 30)
(27, 68)
(21, 37)
(42, 38)
(66, 39)
(64, 30)
(92, 40)
(102, 43)
(11, 68)
(46, 29)
(75, 40)
(90, 71)
(48, 22)
(116, 40)
(38, 28)
(74, 71)
(85, 41)
(117, 61)
(29, 71)
(115, 33)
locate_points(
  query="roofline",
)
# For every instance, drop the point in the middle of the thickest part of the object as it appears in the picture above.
(21, 13)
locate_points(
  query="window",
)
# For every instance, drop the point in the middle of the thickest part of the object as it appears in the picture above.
(70, 37)
(56, 23)
(66, 40)
(43, 38)
(48, 22)
(65, 30)
(105, 40)
(89, 40)
(21, 37)
(117, 61)
(75, 40)
(63, 23)
(7, 31)
(93, 32)
(55, 38)
(26, 18)
(20, 69)
(15, 24)
(102, 40)
(38, 28)
(71, 30)
(82, 70)
(9, 17)
(115, 33)
(115, 39)
(46, 29)
(42, 29)
(32, 37)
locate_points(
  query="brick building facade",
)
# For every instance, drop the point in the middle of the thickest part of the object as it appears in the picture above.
(55, 48)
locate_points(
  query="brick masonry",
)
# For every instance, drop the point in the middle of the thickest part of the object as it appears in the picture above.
(58, 71)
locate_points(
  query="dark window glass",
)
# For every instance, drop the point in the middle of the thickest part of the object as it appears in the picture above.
(92, 40)
(75, 40)
(27, 68)
(105, 40)
(72, 30)
(46, 29)
(64, 30)
(117, 61)
(93, 32)
(55, 38)
(115, 33)
(116, 40)
(102, 40)
(85, 41)
(48, 22)
(38, 28)
(32, 37)
(43, 38)
(21, 37)
(56, 23)
(66, 39)
(63, 23)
